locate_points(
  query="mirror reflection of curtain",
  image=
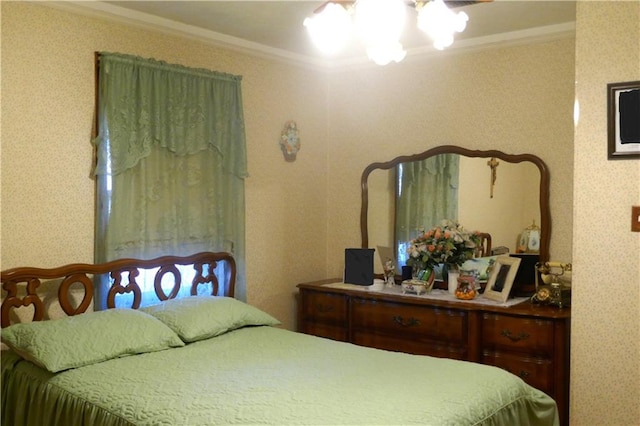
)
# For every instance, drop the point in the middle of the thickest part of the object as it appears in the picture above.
(427, 193)
(171, 161)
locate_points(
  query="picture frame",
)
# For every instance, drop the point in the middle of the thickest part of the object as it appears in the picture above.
(501, 278)
(623, 126)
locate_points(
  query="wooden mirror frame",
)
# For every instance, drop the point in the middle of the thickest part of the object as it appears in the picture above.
(545, 212)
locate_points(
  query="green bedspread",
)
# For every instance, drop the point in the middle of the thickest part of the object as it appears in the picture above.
(265, 375)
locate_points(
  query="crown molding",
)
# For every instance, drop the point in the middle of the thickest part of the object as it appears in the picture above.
(99, 9)
(121, 15)
(495, 41)
(501, 40)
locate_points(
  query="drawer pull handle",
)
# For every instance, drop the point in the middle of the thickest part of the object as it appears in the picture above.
(324, 308)
(408, 323)
(521, 336)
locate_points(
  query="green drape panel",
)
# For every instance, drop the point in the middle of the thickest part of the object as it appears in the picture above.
(427, 194)
(171, 161)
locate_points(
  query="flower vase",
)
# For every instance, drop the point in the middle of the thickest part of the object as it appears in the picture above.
(416, 269)
(452, 278)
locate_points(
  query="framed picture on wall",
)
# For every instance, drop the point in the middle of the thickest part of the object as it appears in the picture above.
(501, 278)
(623, 120)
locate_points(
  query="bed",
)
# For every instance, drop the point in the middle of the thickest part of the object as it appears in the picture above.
(206, 359)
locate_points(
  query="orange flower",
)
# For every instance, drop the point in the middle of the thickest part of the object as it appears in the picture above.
(431, 248)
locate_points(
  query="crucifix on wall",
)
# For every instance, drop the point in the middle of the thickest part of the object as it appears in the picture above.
(493, 164)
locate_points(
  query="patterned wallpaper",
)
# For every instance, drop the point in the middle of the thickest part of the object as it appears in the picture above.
(605, 384)
(515, 98)
(47, 118)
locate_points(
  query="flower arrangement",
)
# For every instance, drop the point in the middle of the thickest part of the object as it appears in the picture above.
(448, 243)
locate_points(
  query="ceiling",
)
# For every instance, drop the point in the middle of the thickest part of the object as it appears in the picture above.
(275, 27)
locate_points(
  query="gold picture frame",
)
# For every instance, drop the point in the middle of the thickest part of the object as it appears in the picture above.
(501, 278)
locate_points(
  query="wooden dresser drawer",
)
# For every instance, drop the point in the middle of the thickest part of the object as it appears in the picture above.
(538, 372)
(399, 343)
(325, 330)
(323, 314)
(325, 308)
(409, 321)
(523, 334)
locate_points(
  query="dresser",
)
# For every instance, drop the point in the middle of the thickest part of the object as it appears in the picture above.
(528, 340)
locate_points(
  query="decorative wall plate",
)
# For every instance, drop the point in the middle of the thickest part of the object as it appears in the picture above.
(290, 141)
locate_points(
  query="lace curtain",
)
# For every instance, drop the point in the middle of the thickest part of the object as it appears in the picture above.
(427, 194)
(171, 161)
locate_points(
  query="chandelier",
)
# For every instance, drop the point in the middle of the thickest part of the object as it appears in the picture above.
(378, 24)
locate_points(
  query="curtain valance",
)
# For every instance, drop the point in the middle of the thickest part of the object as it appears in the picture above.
(146, 103)
(443, 164)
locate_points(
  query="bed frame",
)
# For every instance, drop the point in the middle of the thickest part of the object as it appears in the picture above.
(21, 284)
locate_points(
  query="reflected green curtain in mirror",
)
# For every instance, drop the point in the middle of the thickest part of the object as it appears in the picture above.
(427, 193)
(171, 161)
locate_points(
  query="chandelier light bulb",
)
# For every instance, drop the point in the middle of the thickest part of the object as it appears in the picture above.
(382, 54)
(330, 29)
(460, 22)
(379, 22)
(439, 22)
(379, 25)
(443, 41)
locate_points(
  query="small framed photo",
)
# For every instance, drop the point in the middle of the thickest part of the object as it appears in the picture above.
(501, 278)
(623, 124)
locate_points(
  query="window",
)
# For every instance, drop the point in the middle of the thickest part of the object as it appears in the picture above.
(170, 162)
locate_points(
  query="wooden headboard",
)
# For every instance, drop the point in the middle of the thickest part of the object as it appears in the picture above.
(20, 285)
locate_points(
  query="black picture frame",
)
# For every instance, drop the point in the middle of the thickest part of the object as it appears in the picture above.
(623, 120)
(358, 266)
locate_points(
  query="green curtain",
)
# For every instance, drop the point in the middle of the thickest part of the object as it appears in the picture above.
(171, 161)
(427, 194)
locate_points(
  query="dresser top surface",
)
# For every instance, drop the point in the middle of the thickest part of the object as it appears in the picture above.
(515, 306)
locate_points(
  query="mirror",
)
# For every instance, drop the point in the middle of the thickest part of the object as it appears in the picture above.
(501, 200)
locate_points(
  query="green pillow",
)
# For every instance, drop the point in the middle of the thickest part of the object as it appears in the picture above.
(88, 338)
(196, 318)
